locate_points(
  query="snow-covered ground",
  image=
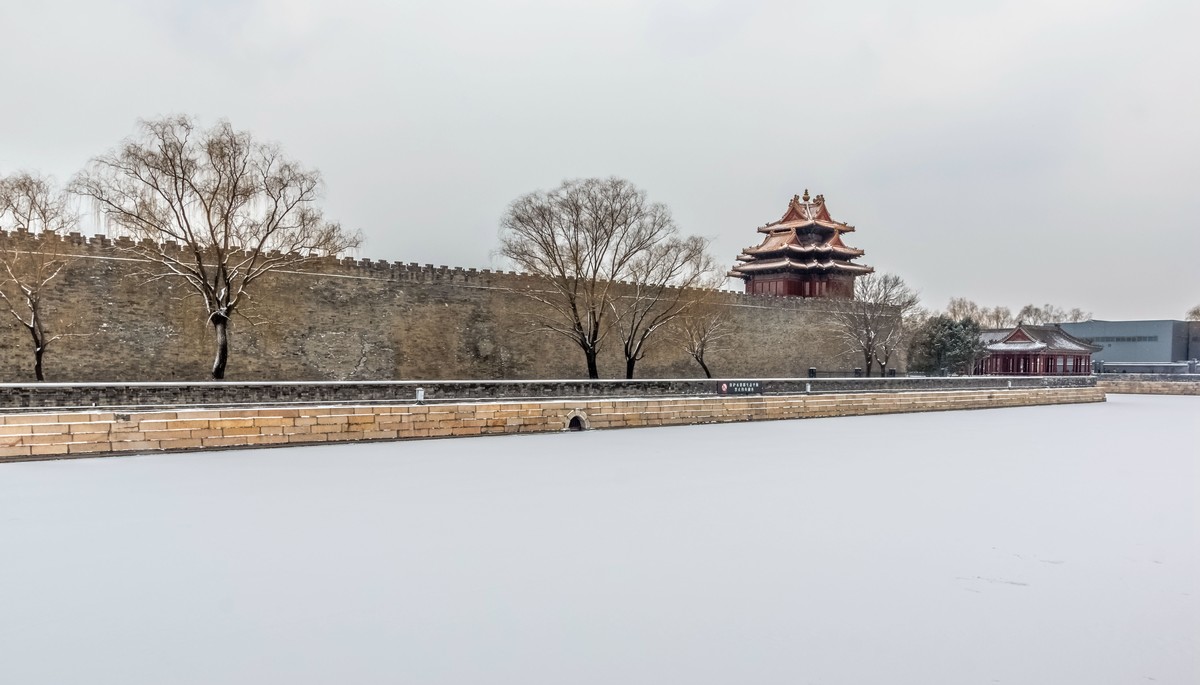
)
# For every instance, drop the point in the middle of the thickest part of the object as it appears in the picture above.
(1055, 545)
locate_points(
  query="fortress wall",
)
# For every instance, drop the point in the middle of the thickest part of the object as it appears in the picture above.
(369, 320)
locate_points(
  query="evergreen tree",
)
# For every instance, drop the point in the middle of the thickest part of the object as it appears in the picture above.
(945, 346)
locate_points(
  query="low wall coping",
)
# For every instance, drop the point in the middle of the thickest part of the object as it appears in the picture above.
(21, 397)
(864, 380)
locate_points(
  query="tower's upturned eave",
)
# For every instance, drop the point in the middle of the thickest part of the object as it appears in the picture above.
(786, 264)
(752, 253)
(805, 223)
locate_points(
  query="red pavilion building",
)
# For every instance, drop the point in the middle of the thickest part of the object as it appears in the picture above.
(1034, 351)
(802, 255)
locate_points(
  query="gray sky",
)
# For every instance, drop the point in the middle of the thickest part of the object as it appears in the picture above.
(1009, 152)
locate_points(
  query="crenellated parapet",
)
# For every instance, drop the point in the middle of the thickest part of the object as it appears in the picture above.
(100, 246)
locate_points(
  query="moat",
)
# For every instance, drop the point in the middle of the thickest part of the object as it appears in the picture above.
(1032, 545)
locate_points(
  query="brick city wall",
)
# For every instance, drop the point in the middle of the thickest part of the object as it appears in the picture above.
(370, 320)
(1150, 384)
(48, 435)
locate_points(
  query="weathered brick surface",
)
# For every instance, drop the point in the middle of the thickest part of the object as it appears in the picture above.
(363, 320)
(95, 432)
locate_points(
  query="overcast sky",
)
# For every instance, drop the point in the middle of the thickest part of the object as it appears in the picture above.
(1008, 152)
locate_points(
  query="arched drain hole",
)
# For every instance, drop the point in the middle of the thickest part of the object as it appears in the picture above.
(577, 421)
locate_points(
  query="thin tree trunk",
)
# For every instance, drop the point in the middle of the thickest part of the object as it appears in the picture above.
(221, 324)
(593, 370)
(700, 361)
(629, 364)
(38, 351)
(38, 348)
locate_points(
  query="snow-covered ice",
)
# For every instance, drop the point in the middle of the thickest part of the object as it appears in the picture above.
(1035, 545)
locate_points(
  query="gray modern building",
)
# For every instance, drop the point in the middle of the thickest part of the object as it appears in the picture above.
(1140, 342)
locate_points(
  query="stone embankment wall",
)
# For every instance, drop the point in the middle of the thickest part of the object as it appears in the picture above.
(1150, 384)
(47, 435)
(369, 320)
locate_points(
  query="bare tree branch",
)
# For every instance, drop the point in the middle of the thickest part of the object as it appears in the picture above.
(214, 208)
(666, 280)
(873, 323)
(703, 328)
(38, 217)
(1002, 317)
(607, 260)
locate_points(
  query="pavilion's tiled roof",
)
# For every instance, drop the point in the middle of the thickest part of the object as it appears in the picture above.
(1029, 338)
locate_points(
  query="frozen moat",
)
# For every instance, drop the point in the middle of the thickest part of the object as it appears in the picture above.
(1034, 545)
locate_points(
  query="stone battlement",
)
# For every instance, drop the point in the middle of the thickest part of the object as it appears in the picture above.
(100, 246)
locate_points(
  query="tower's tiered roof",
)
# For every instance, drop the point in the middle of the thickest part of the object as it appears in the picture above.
(805, 240)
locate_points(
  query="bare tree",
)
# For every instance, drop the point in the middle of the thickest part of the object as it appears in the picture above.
(1076, 314)
(666, 280)
(995, 317)
(962, 308)
(1049, 313)
(703, 328)
(213, 207)
(1032, 314)
(913, 322)
(1194, 313)
(873, 323)
(582, 239)
(39, 218)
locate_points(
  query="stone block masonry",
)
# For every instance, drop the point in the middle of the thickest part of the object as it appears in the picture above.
(50, 435)
(1150, 384)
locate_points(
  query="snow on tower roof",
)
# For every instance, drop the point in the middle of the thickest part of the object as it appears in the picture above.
(810, 265)
(804, 211)
(806, 239)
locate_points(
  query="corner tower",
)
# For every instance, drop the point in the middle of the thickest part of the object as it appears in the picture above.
(802, 255)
